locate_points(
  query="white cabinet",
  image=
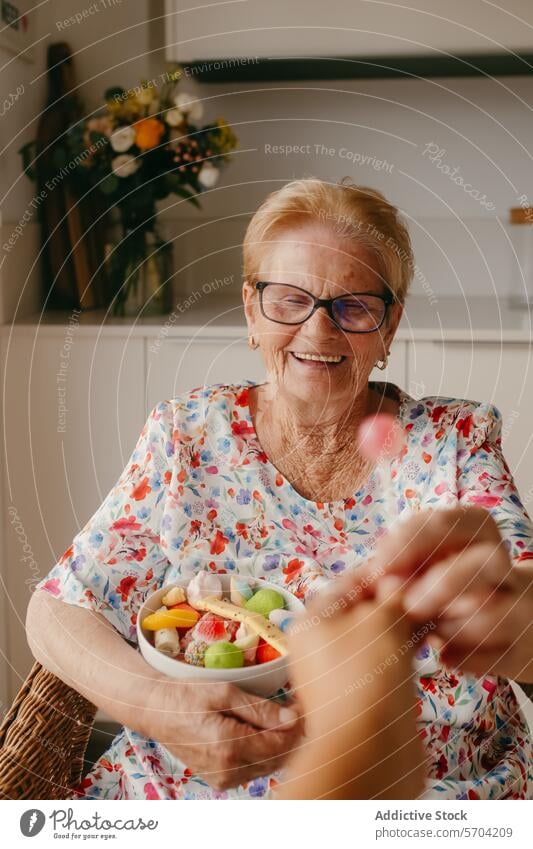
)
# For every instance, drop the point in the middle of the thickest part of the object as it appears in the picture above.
(73, 410)
(254, 28)
(177, 365)
(500, 373)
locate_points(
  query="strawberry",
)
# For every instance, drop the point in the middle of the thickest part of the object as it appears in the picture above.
(265, 652)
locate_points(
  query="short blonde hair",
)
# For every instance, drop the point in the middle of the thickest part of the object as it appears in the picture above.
(358, 213)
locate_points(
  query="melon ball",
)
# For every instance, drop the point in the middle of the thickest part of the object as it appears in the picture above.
(265, 601)
(223, 655)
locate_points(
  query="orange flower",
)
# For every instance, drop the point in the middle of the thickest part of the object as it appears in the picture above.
(148, 132)
(242, 530)
(68, 553)
(142, 489)
(218, 544)
(292, 569)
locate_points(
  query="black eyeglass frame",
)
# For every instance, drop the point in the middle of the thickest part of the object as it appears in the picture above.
(327, 303)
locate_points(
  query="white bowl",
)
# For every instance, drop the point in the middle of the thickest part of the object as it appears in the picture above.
(263, 679)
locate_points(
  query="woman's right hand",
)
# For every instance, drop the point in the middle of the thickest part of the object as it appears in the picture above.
(221, 733)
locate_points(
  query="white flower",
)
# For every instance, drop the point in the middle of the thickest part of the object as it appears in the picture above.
(208, 175)
(145, 95)
(174, 117)
(189, 105)
(124, 165)
(122, 139)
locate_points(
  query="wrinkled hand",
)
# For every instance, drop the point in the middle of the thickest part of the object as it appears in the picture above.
(226, 736)
(455, 571)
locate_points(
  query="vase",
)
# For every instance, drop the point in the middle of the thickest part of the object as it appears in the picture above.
(139, 273)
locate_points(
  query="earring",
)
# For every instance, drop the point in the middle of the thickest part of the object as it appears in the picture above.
(252, 343)
(382, 364)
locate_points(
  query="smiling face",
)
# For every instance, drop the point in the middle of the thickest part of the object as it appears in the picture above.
(314, 258)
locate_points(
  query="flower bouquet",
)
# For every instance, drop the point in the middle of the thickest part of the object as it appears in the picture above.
(142, 146)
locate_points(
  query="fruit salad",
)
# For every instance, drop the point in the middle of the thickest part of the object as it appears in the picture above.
(197, 625)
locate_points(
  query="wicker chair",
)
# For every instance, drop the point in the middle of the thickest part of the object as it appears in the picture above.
(43, 739)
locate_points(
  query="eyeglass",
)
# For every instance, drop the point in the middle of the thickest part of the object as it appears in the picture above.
(357, 312)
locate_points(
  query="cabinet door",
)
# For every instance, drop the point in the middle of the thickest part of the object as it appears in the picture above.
(73, 413)
(177, 365)
(501, 374)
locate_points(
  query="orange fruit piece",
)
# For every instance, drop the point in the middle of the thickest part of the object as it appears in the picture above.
(265, 652)
(171, 619)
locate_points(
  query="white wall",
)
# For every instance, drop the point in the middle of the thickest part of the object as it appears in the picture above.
(19, 79)
(22, 89)
(482, 125)
(231, 28)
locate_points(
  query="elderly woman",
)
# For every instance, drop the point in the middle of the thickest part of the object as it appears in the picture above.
(269, 480)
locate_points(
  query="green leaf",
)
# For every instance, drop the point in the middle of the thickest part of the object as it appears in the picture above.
(183, 193)
(175, 185)
(109, 184)
(173, 181)
(115, 92)
(59, 157)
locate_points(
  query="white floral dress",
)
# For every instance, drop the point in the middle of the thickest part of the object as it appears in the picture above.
(200, 493)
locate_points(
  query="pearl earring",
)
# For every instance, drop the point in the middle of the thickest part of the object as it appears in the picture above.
(382, 364)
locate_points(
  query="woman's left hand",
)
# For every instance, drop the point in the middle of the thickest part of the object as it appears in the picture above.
(458, 574)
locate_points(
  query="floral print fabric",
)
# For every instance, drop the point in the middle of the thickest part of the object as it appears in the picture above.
(200, 493)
